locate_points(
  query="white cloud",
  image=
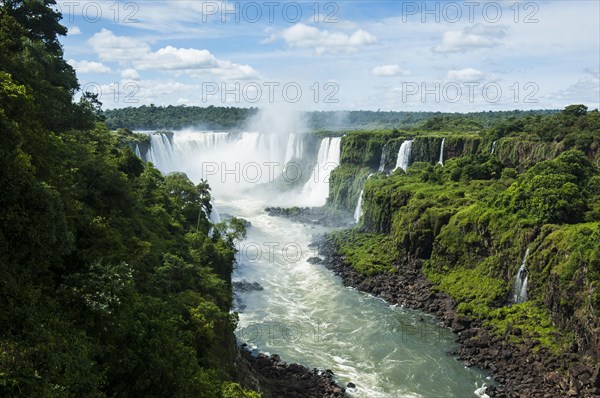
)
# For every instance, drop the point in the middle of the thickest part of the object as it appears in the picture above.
(89, 66)
(73, 31)
(171, 58)
(585, 90)
(471, 38)
(322, 41)
(389, 70)
(108, 46)
(130, 74)
(465, 75)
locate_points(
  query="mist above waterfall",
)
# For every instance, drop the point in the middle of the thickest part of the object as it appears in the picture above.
(282, 119)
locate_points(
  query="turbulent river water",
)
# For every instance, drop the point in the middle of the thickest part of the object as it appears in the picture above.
(303, 313)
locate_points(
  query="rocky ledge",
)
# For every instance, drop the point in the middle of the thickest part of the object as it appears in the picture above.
(313, 215)
(277, 379)
(521, 370)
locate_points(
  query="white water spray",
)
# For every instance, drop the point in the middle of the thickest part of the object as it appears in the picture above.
(494, 146)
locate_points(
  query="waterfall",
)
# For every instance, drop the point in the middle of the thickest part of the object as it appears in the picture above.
(521, 279)
(316, 189)
(441, 161)
(160, 152)
(294, 149)
(382, 161)
(494, 146)
(358, 212)
(214, 215)
(404, 155)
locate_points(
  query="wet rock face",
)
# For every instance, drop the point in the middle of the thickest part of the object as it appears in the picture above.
(521, 371)
(245, 286)
(279, 379)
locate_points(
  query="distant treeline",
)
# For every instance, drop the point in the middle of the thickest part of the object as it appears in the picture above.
(231, 118)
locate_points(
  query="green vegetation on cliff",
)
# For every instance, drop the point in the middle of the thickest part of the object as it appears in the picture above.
(111, 283)
(471, 221)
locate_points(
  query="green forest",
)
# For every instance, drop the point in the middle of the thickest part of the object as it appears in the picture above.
(112, 283)
(230, 118)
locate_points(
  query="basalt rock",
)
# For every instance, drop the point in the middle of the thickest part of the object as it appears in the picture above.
(277, 379)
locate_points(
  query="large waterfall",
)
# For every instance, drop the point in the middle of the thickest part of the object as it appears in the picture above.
(521, 280)
(237, 162)
(404, 155)
(494, 146)
(441, 161)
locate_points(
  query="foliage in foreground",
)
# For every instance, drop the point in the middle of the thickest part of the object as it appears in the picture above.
(111, 283)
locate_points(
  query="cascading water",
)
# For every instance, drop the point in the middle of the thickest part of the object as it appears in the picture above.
(441, 161)
(404, 155)
(382, 161)
(214, 215)
(494, 146)
(161, 149)
(304, 313)
(328, 158)
(521, 280)
(295, 148)
(358, 212)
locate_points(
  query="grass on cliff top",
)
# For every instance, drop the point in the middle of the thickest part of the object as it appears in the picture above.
(519, 323)
(369, 254)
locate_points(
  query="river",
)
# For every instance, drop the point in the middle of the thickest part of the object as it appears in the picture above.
(304, 313)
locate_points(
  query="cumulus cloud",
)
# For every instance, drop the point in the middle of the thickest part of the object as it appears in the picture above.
(130, 74)
(470, 38)
(108, 46)
(389, 70)
(465, 75)
(171, 58)
(322, 41)
(89, 66)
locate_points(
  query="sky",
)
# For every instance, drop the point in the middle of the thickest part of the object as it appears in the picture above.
(455, 56)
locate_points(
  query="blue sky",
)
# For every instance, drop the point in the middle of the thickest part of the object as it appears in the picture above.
(388, 55)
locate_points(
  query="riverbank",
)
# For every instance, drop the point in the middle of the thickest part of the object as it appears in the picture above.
(522, 370)
(274, 378)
